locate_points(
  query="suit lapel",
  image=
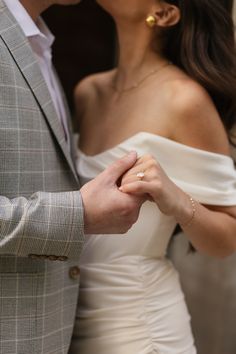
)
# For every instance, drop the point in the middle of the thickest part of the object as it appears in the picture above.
(68, 115)
(24, 58)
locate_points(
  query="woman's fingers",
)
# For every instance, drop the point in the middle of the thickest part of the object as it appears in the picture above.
(146, 170)
(143, 174)
(137, 188)
(141, 167)
(145, 178)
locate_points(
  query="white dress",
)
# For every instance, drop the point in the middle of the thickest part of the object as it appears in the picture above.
(130, 298)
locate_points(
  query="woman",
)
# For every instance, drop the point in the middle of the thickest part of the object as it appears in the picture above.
(172, 99)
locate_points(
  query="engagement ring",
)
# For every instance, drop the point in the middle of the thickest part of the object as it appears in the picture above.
(140, 175)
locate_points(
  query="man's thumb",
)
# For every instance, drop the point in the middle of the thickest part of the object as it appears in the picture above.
(118, 168)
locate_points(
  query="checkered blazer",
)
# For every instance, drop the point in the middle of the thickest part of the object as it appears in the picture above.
(41, 214)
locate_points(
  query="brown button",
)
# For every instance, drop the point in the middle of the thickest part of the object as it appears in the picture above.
(62, 258)
(74, 273)
(52, 258)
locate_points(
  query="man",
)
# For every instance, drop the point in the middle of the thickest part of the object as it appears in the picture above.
(43, 216)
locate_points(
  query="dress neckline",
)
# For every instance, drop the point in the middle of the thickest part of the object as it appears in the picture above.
(154, 136)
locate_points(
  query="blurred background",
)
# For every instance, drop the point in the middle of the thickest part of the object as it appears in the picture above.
(84, 42)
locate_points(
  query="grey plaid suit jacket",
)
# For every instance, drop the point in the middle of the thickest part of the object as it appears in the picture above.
(41, 214)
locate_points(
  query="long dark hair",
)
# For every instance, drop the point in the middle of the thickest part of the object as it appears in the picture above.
(203, 45)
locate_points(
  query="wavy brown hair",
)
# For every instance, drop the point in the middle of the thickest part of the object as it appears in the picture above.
(203, 45)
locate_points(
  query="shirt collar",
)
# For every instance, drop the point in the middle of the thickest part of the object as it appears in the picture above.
(28, 26)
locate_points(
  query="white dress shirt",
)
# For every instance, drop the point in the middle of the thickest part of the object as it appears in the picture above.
(41, 40)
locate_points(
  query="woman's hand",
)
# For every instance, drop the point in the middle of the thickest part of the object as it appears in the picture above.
(156, 185)
(210, 230)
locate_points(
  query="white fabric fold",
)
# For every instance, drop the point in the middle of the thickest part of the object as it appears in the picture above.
(208, 177)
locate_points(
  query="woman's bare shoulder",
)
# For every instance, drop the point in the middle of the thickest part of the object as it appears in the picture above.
(87, 97)
(195, 120)
(92, 84)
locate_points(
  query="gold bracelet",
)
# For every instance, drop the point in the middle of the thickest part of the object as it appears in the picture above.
(193, 203)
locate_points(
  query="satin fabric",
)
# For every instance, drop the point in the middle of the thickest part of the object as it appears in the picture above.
(131, 300)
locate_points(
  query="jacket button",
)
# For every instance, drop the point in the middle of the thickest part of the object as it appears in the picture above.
(74, 273)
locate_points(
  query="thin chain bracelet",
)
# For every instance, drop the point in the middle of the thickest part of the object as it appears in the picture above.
(193, 203)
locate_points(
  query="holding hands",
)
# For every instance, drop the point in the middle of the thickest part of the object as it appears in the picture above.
(106, 209)
(112, 210)
(147, 178)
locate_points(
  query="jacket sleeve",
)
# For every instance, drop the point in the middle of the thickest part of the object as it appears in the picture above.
(47, 225)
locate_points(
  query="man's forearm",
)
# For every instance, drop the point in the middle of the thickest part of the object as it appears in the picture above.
(49, 224)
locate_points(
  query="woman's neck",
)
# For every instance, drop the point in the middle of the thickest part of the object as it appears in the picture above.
(136, 57)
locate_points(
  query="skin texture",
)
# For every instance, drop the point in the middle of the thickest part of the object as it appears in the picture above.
(176, 107)
(118, 211)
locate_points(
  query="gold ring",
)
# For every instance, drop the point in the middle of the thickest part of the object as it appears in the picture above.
(140, 175)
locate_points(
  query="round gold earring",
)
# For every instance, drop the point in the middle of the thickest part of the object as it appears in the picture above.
(151, 21)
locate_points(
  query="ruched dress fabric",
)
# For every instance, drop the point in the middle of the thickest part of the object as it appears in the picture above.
(131, 300)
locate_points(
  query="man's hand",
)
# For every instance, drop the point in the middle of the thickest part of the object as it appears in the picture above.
(106, 209)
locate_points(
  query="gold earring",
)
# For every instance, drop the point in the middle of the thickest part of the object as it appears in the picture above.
(151, 21)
